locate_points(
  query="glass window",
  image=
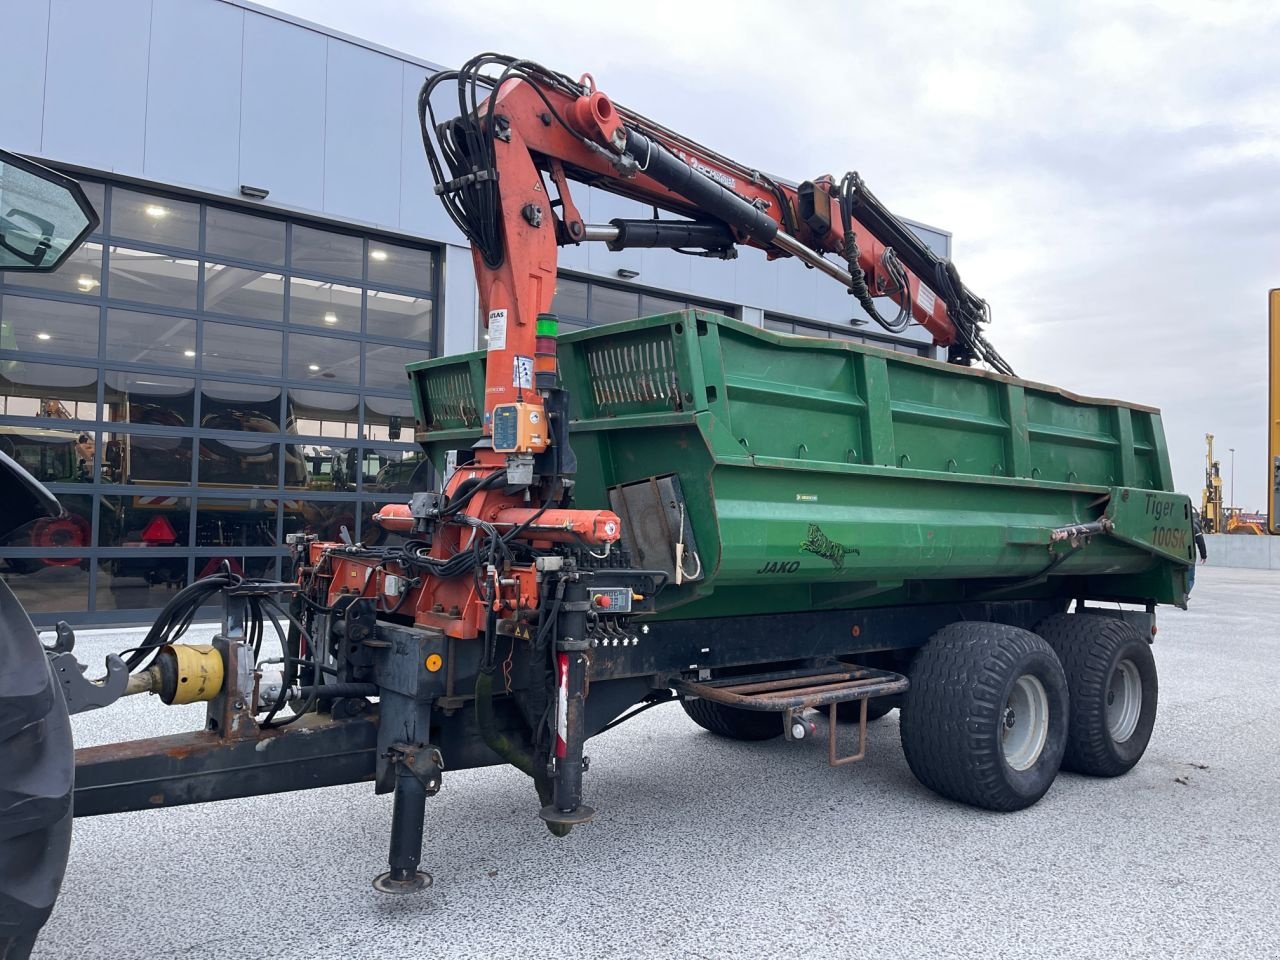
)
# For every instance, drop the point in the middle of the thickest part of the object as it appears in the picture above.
(155, 278)
(71, 531)
(321, 358)
(144, 518)
(384, 366)
(321, 303)
(388, 418)
(138, 458)
(51, 454)
(81, 274)
(331, 254)
(42, 587)
(45, 390)
(141, 579)
(97, 194)
(609, 305)
(260, 567)
(233, 349)
(250, 462)
(316, 413)
(400, 266)
(651, 306)
(135, 337)
(327, 468)
(235, 522)
(239, 406)
(49, 326)
(152, 219)
(324, 518)
(243, 236)
(149, 398)
(570, 299)
(239, 292)
(781, 326)
(390, 469)
(399, 315)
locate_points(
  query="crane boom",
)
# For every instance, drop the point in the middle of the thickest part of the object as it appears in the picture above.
(502, 165)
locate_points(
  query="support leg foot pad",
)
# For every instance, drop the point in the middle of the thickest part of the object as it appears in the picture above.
(385, 883)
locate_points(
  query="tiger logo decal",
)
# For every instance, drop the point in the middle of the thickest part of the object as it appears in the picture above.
(819, 544)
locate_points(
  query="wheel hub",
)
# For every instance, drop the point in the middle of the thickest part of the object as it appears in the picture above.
(1124, 700)
(1026, 722)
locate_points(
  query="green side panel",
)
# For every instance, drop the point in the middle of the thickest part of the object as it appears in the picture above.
(822, 473)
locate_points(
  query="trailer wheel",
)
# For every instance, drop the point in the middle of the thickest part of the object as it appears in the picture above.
(984, 721)
(35, 795)
(1111, 675)
(733, 722)
(877, 707)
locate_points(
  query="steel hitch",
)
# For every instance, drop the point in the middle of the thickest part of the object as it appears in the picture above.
(568, 764)
(418, 767)
(82, 693)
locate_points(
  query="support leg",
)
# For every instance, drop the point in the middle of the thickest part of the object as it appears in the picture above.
(571, 681)
(417, 777)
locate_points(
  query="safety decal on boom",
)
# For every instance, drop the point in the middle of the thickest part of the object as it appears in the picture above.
(926, 298)
(522, 373)
(497, 330)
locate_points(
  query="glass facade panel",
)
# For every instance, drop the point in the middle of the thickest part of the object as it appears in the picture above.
(393, 265)
(609, 305)
(81, 274)
(228, 233)
(399, 315)
(159, 279)
(388, 418)
(243, 292)
(652, 306)
(323, 359)
(153, 219)
(149, 398)
(234, 349)
(149, 338)
(146, 519)
(49, 326)
(30, 389)
(177, 418)
(571, 299)
(327, 253)
(323, 303)
(389, 470)
(317, 413)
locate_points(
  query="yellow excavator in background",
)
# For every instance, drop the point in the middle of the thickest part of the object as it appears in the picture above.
(1211, 512)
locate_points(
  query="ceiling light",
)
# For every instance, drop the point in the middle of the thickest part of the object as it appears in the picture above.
(188, 353)
(330, 317)
(313, 367)
(378, 255)
(156, 211)
(43, 336)
(86, 283)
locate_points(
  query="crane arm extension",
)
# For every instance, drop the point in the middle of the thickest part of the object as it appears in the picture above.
(519, 134)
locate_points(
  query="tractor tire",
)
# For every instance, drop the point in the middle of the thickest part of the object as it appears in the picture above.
(877, 707)
(733, 723)
(984, 721)
(38, 761)
(1111, 676)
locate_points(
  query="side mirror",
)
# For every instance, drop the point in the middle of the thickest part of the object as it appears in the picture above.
(44, 216)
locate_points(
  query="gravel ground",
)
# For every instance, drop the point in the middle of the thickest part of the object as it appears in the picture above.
(709, 848)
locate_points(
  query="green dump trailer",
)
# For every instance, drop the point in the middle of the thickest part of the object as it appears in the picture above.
(834, 518)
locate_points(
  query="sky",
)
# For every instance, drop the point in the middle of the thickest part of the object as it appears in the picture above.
(1110, 170)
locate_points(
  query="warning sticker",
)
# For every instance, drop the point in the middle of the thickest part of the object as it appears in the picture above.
(522, 372)
(926, 299)
(497, 329)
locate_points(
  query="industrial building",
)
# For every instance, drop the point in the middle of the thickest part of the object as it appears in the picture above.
(222, 364)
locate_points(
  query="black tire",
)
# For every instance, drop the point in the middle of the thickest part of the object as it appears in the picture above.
(38, 761)
(733, 722)
(1092, 649)
(957, 715)
(877, 707)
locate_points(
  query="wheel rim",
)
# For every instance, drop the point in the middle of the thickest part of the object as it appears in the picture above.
(1025, 722)
(1124, 700)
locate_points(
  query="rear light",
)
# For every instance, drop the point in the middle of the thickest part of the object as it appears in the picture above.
(160, 532)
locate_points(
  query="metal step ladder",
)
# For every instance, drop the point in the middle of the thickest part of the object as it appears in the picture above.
(827, 683)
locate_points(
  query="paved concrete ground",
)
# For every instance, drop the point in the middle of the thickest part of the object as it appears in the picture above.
(707, 848)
